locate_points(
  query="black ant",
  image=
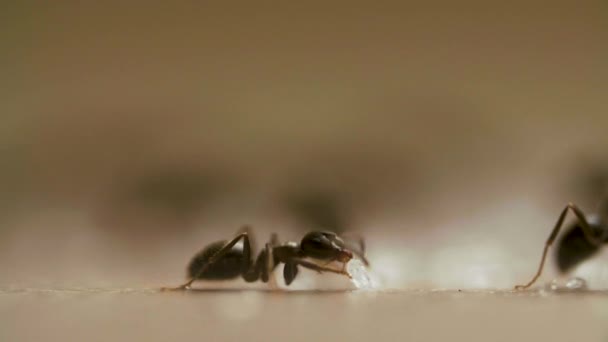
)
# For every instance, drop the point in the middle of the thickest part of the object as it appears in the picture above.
(582, 240)
(225, 260)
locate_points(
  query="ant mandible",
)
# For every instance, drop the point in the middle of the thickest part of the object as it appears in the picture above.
(225, 260)
(582, 240)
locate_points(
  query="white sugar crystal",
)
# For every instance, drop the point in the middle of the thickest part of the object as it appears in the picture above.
(359, 275)
(571, 285)
(576, 284)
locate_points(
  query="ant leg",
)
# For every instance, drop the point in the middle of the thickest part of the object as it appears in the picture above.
(320, 269)
(560, 221)
(269, 268)
(218, 255)
(290, 271)
(270, 265)
(264, 266)
(252, 243)
(589, 235)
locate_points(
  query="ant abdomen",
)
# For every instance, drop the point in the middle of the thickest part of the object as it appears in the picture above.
(228, 267)
(574, 247)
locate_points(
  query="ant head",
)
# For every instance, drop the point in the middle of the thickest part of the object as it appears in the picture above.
(325, 246)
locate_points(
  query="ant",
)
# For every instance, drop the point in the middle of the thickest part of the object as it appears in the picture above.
(582, 240)
(225, 260)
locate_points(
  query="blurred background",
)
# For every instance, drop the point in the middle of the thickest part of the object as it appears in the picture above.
(450, 134)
